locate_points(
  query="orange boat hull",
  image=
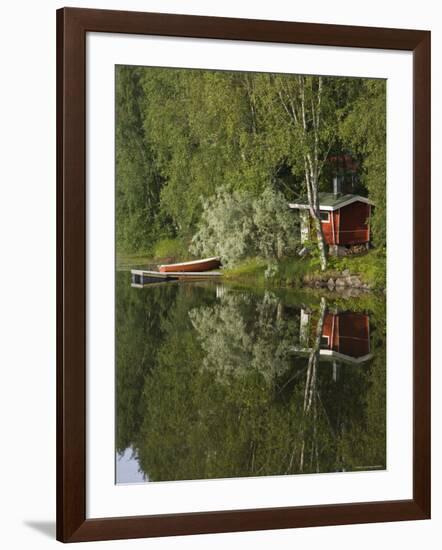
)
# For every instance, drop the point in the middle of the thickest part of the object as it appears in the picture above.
(190, 267)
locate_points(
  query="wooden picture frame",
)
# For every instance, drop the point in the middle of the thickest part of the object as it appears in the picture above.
(72, 26)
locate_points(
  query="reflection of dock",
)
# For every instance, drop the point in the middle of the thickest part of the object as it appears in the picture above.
(141, 277)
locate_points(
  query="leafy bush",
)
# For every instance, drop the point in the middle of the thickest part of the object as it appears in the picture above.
(236, 226)
(276, 231)
(226, 227)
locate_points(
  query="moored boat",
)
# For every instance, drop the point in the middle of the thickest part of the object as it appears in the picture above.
(206, 264)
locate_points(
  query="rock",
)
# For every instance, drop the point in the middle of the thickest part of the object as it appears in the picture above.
(353, 281)
(346, 272)
(336, 250)
(331, 284)
(352, 292)
(340, 283)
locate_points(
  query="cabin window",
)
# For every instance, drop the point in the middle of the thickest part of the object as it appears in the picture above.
(325, 216)
(324, 342)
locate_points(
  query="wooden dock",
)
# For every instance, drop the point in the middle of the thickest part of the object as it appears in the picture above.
(141, 277)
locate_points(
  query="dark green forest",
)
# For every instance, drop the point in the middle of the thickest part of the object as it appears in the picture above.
(186, 139)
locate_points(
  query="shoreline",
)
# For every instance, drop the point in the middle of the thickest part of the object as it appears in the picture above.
(351, 275)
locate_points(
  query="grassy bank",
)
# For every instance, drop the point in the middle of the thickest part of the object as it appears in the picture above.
(164, 251)
(370, 268)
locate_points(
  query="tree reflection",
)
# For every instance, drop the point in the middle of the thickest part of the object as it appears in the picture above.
(241, 334)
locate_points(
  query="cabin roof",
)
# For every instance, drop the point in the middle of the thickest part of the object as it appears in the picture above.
(331, 355)
(330, 201)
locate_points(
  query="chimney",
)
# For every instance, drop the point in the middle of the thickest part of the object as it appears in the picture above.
(337, 185)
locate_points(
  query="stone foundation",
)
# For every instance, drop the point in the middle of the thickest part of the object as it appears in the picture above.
(338, 282)
(336, 250)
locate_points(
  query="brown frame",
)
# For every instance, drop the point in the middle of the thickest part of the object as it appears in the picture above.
(72, 26)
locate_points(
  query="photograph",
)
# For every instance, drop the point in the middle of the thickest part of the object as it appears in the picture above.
(227, 335)
(250, 274)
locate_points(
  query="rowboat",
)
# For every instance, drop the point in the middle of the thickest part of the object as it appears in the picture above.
(206, 264)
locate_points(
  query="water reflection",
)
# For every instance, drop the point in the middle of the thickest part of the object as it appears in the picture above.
(215, 381)
(128, 468)
(345, 336)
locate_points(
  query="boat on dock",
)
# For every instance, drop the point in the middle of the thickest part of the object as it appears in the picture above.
(195, 266)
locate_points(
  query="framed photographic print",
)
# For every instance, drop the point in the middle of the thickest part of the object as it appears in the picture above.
(243, 274)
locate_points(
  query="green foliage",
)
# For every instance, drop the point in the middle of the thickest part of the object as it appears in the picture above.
(294, 125)
(371, 267)
(276, 228)
(171, 248)
(181, 135)
(280, 273)
(137, 181)
(250, 270)
(226, 227)
(364, 130)
(235, 226)
(201, 129)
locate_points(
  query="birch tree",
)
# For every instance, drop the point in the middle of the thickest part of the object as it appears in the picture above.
(302, 108)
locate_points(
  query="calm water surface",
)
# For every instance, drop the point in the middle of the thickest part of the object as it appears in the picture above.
(217, 381)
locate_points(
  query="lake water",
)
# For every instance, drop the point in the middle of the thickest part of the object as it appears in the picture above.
(216, 380)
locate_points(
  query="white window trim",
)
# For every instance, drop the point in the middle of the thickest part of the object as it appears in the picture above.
(328, 216)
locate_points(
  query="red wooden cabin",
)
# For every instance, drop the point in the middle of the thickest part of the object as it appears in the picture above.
(345, 218)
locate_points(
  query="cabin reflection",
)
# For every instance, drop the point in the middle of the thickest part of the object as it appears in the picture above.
(345, 336)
